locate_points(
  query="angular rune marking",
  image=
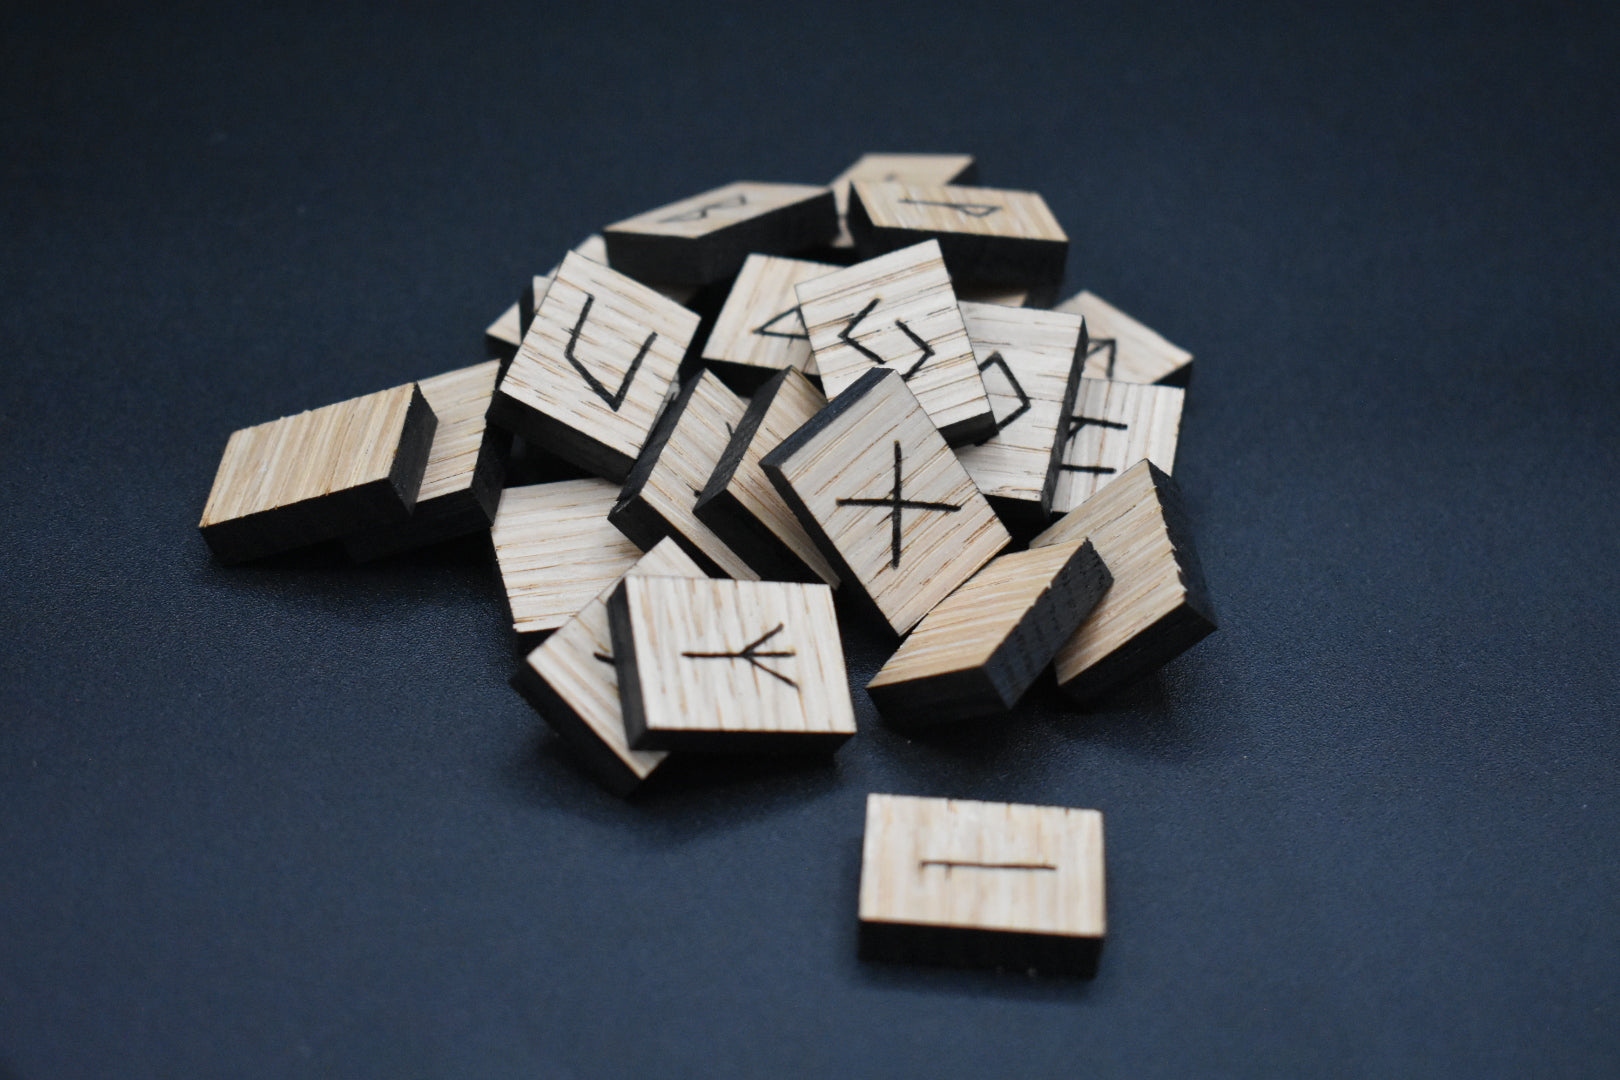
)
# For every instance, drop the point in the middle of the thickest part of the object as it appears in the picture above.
(949, 864)
(753, 653)
(845, 335)
(1097, 345)
(615, 399)
(604, 657)
(1078, 422)
(739, 199)
(697, 493)
(971, 209)
(998, 361)
(764, 329)
(897, 503)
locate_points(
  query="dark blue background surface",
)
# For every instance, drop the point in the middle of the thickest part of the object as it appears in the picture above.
(290, 820)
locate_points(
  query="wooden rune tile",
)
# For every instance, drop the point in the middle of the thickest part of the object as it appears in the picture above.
(982, 884)
(503, 336)
(556, 549)
(730, 666)
(983, 646)
(1157, 607)
(1113, 426)
(573, 683)
(1030, 361)
(319, 475)
(899, 312)
(1001, 295)
(885, 499)
(914, 168)
(741, 504)
(462, 483)
(705, 238)
(659, 498)
(986, 234)
(759, 331)
(594, 368)
(1122, 348)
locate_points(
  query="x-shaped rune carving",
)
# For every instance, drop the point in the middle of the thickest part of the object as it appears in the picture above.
(615, 399)
(897, 504)
(845, 335)
(753, 653)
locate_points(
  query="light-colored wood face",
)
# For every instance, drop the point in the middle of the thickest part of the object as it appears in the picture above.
(714, 210)
(577, 661)
(1026, 359)
(992, 294)
(1125, 523)
(897, 311)
(459, 399)
(685, 462)
(970, 211)
(507, 327)
(914, 168)
(738, 657)
(1115, 425)
(794, 404)
(892, 499)
(1122, 348)
(308, 455)
(600, 355)
(967, 627)
(983, 866)
(556, 549)
(759, 326)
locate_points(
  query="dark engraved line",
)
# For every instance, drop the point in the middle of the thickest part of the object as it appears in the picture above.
(928, 350)
(1101, 343)
(971, 209)
(752, 653)
(764, 329)
(949, 863)
(614, 400)
(844, 334)
(739, 199)
(1077, 422)
(604, 657)
(896, 502)
(1098, 470)
(697, 493)
(997, 360)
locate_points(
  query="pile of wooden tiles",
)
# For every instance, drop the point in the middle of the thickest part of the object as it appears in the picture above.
(767, 392)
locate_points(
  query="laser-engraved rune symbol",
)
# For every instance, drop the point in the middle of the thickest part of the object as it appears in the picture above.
(1078, 422)
(1097, 345)
(697, 493)
(604, 657)
(996, 360)
(753, 654)
(846, 336)
(971, 209)
(731, 203)
(950, 864)
(616, 398)
(897, 504)
(764, 329)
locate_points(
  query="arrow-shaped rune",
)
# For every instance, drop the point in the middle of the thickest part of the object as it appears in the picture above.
(753, 653)
(971, 209)
(739, 199)
(846, 335)
(615, 399)
(764, 329)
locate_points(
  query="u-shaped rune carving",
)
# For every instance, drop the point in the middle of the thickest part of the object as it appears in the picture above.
(846, 335)
(753, 654)
(616, 398)
(898, 503)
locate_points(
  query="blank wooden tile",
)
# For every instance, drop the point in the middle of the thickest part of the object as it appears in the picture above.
(730, 666)
(1157, 607)
(987, 234)
(885, 499)
(741, 504)
(594, 368)
(705, 238)
(914, 168)
(661, 494)
(1123, 349)
(759, 332)
(1113, 426)
(462, 483)
(319, 475)
(982, 884)
(556, 549)
(573, 683)
(982, 647)
(503, 336)
(899, 312)
(1030, 362)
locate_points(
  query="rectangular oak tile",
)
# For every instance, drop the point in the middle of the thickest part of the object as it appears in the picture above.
(319, 475)
(730, 666)
(1158, 606)
(982, 884)
(993, 235)
(914, 168)
(1113, 426)
(556, 549)
(1124, 349)
(899, 311)
(886, 500)
(759, 330)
